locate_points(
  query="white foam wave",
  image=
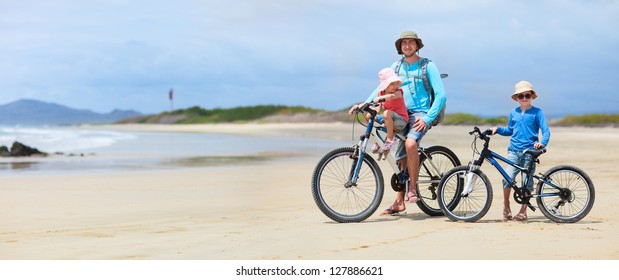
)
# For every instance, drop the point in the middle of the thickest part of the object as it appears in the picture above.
(62, 139)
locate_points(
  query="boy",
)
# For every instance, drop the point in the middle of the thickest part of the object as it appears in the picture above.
(524, 125)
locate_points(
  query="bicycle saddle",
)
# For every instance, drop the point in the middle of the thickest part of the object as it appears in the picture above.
(535, 153)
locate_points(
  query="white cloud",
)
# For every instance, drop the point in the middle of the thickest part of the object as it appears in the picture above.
(322, 54)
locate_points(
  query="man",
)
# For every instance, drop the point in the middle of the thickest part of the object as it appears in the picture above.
(421, 114)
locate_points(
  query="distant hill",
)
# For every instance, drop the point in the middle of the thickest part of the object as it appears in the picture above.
(258, 113)
(34, 112)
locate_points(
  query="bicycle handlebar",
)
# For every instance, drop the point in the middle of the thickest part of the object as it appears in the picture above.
(485, 135)
(366, 108)
(482, 135)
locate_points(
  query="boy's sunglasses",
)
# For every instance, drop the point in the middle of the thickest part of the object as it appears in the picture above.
(527, 96)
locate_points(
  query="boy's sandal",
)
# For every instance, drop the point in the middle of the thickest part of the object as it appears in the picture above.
(507, 214)
(521, 217)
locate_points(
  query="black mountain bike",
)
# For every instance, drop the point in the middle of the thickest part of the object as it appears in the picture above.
(564, 194)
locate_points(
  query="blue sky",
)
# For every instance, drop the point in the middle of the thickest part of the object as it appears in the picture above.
(103, 55)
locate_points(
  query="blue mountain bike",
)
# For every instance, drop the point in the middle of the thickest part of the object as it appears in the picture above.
(564, 194)
(348, 185)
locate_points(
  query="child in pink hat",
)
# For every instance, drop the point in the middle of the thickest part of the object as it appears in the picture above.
(395, 116)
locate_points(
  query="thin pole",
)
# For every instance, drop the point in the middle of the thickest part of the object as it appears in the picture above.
(171, 97)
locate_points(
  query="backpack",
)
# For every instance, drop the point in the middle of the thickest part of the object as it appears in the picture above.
(426, 84)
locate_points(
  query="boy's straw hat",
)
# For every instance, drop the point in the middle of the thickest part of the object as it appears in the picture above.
(408, 35)
(386, 77)
(521, 87)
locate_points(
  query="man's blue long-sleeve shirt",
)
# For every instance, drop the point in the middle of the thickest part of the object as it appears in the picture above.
(416, 98)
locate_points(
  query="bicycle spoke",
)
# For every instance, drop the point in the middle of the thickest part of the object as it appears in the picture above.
(470, 207)
(436, 161)
(574, 198)
(336, 196)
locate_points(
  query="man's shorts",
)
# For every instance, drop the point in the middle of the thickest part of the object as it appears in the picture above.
(412, 134)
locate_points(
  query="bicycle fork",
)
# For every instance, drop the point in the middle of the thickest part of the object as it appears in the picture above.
(356, 166)
(470, 181)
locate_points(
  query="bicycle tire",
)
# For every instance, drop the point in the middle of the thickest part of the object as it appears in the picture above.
(471, 207)
(576, 199)
(443, 159)
(337, 201)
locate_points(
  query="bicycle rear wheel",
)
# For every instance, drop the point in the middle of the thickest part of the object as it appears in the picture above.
(335, 197)
(572, 201)
(431, 169)
(470, 207)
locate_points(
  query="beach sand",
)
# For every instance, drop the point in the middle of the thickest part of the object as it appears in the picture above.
(265, 210)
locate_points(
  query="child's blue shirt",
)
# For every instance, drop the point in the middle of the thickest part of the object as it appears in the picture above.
(524, 129)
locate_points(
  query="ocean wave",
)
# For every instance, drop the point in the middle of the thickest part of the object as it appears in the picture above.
(62, 139)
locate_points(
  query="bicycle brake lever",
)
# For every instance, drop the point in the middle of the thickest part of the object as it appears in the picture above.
(474, 129)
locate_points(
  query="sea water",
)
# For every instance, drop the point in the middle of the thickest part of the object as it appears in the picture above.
(91, 148)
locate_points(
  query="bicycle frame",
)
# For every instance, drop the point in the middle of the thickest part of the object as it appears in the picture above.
(420, 150)
(492, 157)
(396, 169)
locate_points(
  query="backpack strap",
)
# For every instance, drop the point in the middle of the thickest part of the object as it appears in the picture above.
(424, 76)
(423, 64)
(397, 68)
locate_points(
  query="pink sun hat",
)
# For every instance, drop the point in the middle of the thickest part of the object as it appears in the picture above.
(386, 77)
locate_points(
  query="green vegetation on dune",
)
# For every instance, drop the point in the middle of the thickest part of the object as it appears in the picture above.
(238, 114)
(570, 120)
(590, 120)
(469, 119)
(196, 114)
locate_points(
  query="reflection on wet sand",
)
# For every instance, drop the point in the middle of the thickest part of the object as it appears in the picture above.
(21, 165)
(202, 161)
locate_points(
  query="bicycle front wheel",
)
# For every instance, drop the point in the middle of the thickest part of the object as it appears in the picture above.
(572, 200)
(469, 207)
(336, 197)
(439, 160)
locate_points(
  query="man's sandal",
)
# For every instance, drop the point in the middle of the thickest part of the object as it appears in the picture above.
(390, 211)
(413, 198)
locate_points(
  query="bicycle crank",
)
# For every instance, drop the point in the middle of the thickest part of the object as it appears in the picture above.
(397, 184)
(522, 198)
